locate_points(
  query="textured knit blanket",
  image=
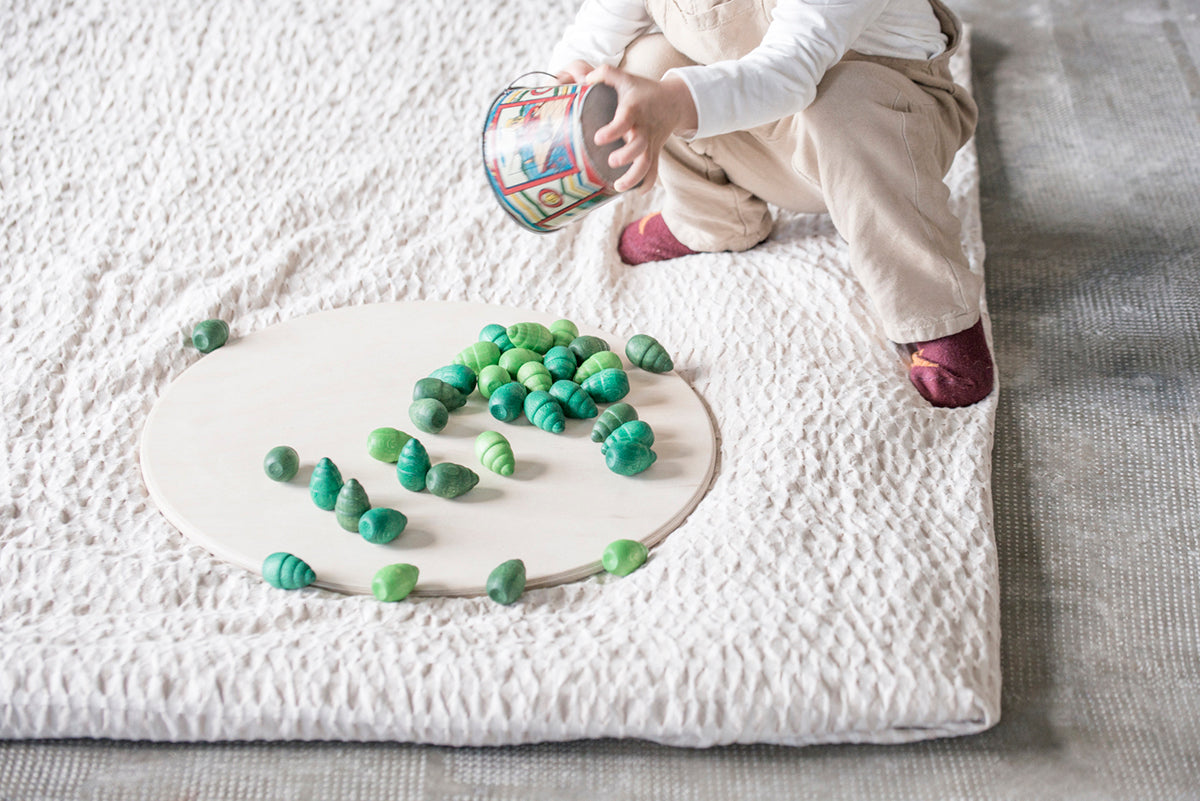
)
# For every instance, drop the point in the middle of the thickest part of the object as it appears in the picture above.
(166, 161)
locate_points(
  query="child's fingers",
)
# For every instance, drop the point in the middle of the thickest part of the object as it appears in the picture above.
(616, 129)
(637, 171)
(634, 146)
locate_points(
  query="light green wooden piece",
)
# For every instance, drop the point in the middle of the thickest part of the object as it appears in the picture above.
(385, 443)
(494, 451)
(394, 582)
(622, 557)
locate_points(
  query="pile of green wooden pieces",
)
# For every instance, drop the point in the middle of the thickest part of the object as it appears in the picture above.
(546, 373)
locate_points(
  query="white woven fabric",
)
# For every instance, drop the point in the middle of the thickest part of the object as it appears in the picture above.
(172, 160)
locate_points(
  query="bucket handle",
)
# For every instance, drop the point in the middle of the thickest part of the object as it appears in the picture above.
(513, 84)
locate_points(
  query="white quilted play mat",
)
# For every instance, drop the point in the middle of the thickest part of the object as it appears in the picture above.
(167, 161)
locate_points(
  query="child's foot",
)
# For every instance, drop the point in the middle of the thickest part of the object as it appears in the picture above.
(649, 239)
(953, 371)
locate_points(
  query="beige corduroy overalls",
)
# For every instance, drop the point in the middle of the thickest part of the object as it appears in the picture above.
(871, 150)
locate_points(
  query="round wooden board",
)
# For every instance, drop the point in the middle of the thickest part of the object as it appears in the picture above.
(323, 382)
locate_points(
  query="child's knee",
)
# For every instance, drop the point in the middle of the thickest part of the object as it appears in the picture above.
(651, 56)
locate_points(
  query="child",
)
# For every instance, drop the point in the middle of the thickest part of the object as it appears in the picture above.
(838, 106)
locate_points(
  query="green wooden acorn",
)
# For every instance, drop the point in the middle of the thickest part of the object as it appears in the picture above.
(284, 571)
(458, 376)
(394, 582)
(602, 360)
(646, 352)
(585, 346)
(545, 412)
(413, 465)
(535, 376)
(611, 419)
(508, 401)
(479, 355)
(281, 463)
(534, 336)
(351, 502)
(628, 458)
(325, 484)
(622, 557)
(494, 452)
(490, 378)
(385, 443)
(575, 401)
(633, 431)
(564, 331)
(506, 583)
(429, 414)
(560, 362)
(208, 335)
(381, 525)
(511, 360)
(449, 480)
(439, 390)
(608, 385)
(498, 334)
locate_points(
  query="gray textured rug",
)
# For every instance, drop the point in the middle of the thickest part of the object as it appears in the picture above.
(1091, 202)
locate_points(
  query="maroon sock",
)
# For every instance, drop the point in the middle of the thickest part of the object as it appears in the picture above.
(649, 239)
(953, 371)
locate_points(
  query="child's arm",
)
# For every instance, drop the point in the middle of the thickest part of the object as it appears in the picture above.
(599, 35)
(779, 77)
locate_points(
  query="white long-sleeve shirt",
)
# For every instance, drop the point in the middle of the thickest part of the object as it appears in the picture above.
(779, 77)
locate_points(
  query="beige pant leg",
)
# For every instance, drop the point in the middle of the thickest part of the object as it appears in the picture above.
(704, 209)
(879, 146)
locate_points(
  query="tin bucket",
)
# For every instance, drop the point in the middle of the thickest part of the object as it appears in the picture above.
(539, 153)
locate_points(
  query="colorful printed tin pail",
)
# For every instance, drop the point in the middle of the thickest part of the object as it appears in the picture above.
(539, 153)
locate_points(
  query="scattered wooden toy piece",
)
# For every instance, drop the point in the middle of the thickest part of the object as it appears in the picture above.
(208, 335)
(494, 451)
(287, 572)
(622, 557)
(350, 505)
(394, 582)
(506, 583)
(385, 444)
(449, 480)
(381, 525)
(325, 484)
(281, 463)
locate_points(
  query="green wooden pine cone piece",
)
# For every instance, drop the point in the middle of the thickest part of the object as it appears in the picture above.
(351, 502)
(325, 484)
(611, 419)
(413, 465)
(285, 571)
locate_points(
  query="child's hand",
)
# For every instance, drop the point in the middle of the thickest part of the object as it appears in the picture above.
(574, 72)
(648, 112)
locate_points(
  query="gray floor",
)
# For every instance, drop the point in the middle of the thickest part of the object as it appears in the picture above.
(1090, 150)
